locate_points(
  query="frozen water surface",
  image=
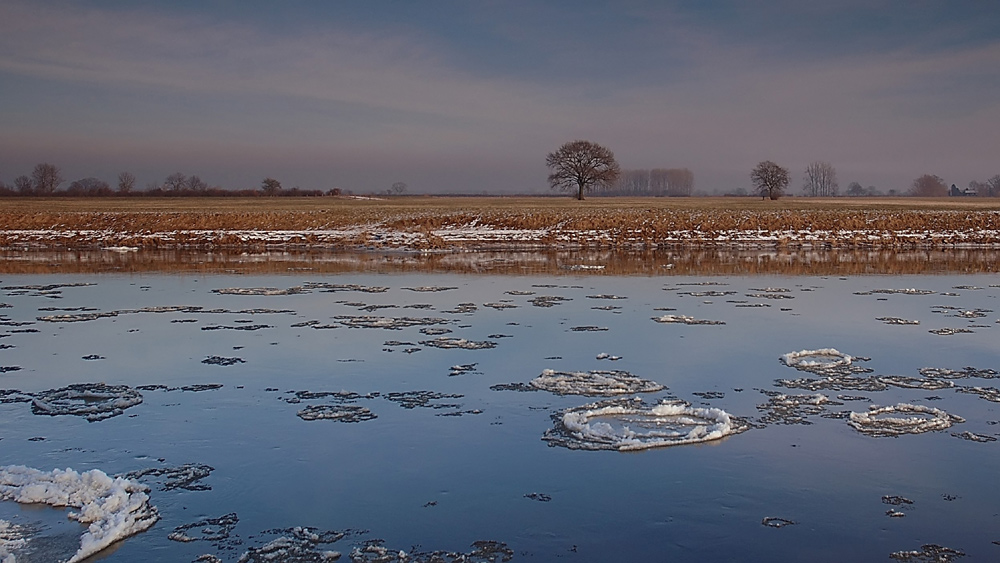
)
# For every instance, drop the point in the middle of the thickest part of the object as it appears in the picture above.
(260, 417)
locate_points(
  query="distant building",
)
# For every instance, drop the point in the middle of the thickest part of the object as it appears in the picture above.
(967, 192)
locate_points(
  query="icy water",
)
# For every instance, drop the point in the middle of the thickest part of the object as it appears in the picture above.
(404, 417)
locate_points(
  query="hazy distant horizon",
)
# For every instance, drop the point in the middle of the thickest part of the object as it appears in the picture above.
(469, 97)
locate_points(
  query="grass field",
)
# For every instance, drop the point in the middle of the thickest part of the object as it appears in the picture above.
(541, 222)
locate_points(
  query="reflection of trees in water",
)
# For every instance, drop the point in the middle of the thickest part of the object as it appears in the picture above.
(705, 262)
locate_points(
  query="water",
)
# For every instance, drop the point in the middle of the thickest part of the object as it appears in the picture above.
(446, 461)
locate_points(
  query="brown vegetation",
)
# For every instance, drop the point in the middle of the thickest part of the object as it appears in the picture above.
(428, 222)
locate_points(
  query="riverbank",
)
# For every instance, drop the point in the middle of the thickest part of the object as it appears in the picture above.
(497, 224)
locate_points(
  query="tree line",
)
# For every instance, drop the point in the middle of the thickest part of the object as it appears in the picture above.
(582, 166)
(46, 180)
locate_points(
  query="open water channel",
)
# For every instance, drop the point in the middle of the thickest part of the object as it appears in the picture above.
(577, 416)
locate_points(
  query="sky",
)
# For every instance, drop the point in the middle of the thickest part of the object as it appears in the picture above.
(458, 96)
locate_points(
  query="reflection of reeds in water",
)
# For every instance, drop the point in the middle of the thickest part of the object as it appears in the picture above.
(649, 263)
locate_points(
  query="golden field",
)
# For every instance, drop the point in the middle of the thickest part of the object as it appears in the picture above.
(442, 223)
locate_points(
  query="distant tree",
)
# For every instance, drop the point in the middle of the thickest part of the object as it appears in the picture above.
(581, 165)
(994, 186)
(855, 189)
(929, 185)
(982, 189)
(90, 187)
(126, 182)
(769, 179)
(23, 185)
(821, 180)
(270, 186)
(45, 178)
(197, 185)
(872, 191)
(680, 182)
(398, 188)
(175, 182)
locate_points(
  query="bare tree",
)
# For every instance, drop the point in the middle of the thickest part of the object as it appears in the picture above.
(46, 178)
(680, 182)
(929, 185)
(23, 185)
(196, 184)
(89, 187)
(270, 186)
(821, 180)
(582, 165)
(994, 186)
(981, 189)
(126, 182)
(175, 182)
(398, 188)
(855, 189)
(631, 183)
(769, 179)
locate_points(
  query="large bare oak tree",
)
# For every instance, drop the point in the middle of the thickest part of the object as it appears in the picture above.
(769, 179)
(581, 165)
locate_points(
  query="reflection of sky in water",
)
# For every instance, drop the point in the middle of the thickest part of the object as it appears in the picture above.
(692, 502)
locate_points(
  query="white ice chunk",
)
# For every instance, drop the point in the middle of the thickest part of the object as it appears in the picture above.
(115, 508)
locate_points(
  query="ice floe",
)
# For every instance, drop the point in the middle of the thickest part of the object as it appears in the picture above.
(775, 522)
(946, 331)
(93, 401)
(929, 553)
(904, 291)
(12, 538)
(483, 551)
(448, 342)
(463, 369)
(684, 319)
(896, 321)
(628, 424)
(244, 327)
(429, 288)
(916, 382)
(268, 291)
(187, 476)
(547, 300)
(114, 508)
(593, 383)
(973, 437)
(793, 409)
(500, 306)
(341, 413)
(821, 359)
(295, 545)
(222, 361)
(901, 419)
(206, 529)
(335, 287)
(895, 500)
(991, 394)
(387, 323)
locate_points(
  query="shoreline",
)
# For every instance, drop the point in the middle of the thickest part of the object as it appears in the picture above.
(422, 224)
